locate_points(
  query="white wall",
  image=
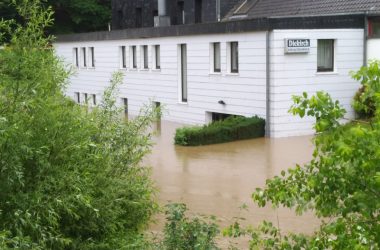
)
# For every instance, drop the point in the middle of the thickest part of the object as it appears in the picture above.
(373, 50)
(243, 93)
(292, 74)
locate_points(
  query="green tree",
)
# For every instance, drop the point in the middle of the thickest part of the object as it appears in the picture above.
(70, 15)
(69, 178)
(341, 184)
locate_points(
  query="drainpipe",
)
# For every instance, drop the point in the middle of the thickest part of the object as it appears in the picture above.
(268, 85)
(365, 39)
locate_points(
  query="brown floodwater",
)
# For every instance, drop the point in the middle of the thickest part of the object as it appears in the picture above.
(219, 179)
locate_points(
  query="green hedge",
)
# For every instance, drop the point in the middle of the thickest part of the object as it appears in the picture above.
(230, 129)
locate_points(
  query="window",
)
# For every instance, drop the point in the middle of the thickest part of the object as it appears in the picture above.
(374, 27)
(85, 95)
(123, 57)
(92, 56)
(134, 57)
(93, 98)
(181, 13)
(215, 57)
(138, 17)
(157, 56)
(144, 58)
(84, 57)
(325, 56)
(183, 72)
(198, 11)
(77, 97)
(76, 57)
(125, 105)
(234, 57)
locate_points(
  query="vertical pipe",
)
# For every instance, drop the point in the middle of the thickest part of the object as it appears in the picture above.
(162, 7)
(268, 87)
(365, 40)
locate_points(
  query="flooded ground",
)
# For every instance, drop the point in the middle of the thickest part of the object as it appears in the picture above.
(218, 179)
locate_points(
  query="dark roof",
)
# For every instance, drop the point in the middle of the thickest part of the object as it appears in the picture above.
(249, 9)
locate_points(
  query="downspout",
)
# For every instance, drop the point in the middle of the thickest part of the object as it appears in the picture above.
(365, 39)
(268, 86)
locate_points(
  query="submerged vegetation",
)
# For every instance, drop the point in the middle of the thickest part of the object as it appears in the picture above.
(231, 129)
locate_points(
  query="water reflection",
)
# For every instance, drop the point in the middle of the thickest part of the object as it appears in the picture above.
(218, 179)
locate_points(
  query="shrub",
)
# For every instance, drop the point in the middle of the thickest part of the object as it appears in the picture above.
(230, 129)
(364, 100)
(69, 178)
(182, 233)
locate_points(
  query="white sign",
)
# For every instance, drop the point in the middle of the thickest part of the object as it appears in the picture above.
(297, 45)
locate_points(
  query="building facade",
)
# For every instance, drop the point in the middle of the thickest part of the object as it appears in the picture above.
(241, 66)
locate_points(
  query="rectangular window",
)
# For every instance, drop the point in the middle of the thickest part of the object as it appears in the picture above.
(123, 57)
(85, 95)
(183, 67)
(325, 60)
(93, 98)
(234, 57)
(216, 57)
(374, 28)
(134, 57)
(76, 57)
(139, 17)
(181, 13)
(157, 56)
(144, 58)
(92, 56)
(198, 11)
(77, 97)
(125, 105)
(84, 57)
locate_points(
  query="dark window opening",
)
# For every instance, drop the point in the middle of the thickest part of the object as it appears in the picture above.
(120, 19)
(85, 98)
(77, 97)
(216, 47)
(181, 13)
(198, 11)
(234, 57)
(134, 57)
(183, 72)
(76, 57)
(220, 116)
(138, 17)
(94, 99)
(123, 57)
(374, 28)
(92, 52)
(145, 56)
(325, 55)
(125, 106)
(158, 55)
(84, 57)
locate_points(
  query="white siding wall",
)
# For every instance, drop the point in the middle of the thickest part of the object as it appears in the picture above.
(293, 74)
(373, 51)
(244, 93)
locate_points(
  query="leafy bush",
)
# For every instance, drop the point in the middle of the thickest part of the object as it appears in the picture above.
(182, 233)
(230, 129)
(364, 103)
(69, 178)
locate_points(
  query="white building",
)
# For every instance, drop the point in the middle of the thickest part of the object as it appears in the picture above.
(249, 64)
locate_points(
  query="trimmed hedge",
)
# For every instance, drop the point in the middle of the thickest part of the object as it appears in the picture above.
(230, 129)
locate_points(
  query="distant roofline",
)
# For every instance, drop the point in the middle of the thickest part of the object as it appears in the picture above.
(225, 27)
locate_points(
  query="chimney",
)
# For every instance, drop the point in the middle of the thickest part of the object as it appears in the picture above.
(162, 19)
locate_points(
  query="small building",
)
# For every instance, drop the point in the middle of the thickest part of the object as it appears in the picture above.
(249, 61)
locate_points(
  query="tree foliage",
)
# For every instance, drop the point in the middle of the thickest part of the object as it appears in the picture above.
(341, 184)
(70, 15)
(69, 178)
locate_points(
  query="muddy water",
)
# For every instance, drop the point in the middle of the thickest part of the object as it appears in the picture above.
(218, 179)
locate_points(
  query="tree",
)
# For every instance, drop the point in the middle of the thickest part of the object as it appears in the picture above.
(69, 178)
(341, 183)
(70, 15)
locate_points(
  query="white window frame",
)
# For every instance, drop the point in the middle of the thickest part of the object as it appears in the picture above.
(123, 57)
(229, 58)
(334, 68)
(144, 57)
(212, 58)
(133, 57)
(181, 99)
(91, 57)
(83, 58)
(76, 57)
(155, 57)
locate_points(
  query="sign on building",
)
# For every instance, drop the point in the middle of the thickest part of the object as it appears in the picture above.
(297, 46)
